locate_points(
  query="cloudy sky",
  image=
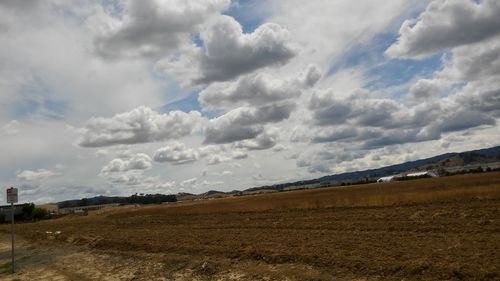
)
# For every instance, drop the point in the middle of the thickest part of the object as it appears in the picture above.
(115, 97)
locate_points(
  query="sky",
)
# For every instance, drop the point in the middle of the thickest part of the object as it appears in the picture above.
(116, 97)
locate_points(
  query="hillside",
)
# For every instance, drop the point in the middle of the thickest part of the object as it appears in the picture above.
(474, 157)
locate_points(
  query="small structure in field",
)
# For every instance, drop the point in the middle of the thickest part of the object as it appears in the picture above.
(388, 178)
(5, 212)
(422, 174)
(407, 176)
(391, 178)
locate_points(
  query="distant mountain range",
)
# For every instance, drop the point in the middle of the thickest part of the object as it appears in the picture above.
(445, 162)
(454, 159)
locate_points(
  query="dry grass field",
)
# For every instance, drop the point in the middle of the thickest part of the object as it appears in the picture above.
(430, 229)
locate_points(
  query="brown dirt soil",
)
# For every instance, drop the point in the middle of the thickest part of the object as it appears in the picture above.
(432, 229)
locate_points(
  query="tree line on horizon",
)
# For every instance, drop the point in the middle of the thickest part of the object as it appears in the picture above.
(133, 199)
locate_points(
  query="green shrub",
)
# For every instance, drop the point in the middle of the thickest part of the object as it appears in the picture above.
(39, 213)
(28, 210)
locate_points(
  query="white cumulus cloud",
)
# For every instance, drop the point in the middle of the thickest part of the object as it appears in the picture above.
(140, 125)
(257, 90)
(40, 174)
(175, 153)
(138, 161)
(154, 28)
(447, 24)
(227, 52)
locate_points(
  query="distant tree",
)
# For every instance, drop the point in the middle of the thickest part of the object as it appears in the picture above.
(39, 213)
(28, 209)
(84, 202)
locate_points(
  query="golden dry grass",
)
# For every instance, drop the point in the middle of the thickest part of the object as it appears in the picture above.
(486, 185)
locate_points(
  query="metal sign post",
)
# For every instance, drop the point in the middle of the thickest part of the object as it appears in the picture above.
(12, 198)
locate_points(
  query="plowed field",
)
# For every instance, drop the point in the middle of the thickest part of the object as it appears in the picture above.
(431, 229)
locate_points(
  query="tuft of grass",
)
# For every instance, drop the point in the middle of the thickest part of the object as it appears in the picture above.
(6, 267)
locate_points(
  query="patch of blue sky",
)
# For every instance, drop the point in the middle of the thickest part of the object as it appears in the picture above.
(381, 71)
(34, 99)
(190, 103)
(113, 7)
(179, 98)
(364, 54)
(175, 97)
(196, 39)
(396, 72)
(186, 104)
(249, 13)
(43, 107)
